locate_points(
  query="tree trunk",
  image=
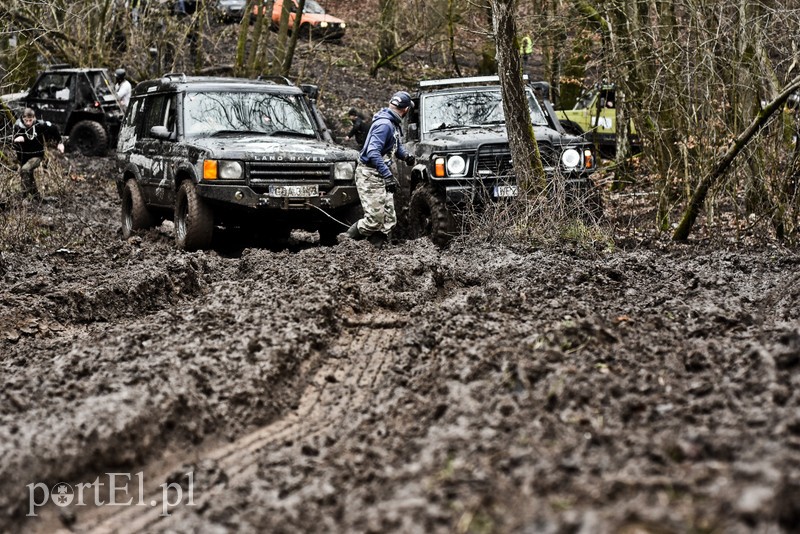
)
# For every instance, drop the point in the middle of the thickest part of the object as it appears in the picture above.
(387, 42)
(524, 150)
(287, 62)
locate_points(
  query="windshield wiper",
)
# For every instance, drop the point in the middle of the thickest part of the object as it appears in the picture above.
(445, 126)
(244, 132)
(291, 132)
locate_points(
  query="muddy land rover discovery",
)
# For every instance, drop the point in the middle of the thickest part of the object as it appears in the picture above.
(457, 134)
(252, 156)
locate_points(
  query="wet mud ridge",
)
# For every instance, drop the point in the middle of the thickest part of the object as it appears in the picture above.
(407, 389)
(338, 390)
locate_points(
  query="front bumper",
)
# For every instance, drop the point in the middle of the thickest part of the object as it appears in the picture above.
(463, 193)
(338, 197)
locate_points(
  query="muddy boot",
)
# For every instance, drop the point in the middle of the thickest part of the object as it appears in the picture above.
(377, 240)
(354, 233)
(29, 189)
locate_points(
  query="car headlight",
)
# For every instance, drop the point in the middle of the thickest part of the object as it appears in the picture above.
(344, 170)
(456, 166)
(342, 25)
(571, 158)
(221, 169)
(323, 24)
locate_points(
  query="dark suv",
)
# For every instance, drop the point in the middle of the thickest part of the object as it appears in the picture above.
(81, 102)
(248, 155)
(457, 134)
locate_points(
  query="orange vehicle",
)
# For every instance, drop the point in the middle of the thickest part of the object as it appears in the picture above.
(314, 22)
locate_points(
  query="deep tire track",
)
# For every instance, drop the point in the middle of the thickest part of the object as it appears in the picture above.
(345, 382)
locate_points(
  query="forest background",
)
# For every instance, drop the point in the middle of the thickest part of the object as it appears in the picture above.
(707, 84)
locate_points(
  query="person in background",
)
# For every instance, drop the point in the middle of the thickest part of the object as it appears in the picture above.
(29, 137)
(375, 182)
(526, 49)
(360, 127)
(123, 89)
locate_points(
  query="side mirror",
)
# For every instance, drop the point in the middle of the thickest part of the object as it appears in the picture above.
(160, 132)
(311, 91)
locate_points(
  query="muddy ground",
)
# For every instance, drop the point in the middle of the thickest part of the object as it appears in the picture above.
(648, 388)
(645, 387)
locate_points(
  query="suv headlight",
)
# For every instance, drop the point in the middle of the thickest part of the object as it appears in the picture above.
(344, 170)
(570, 158)
(455, 165)
(221, 169)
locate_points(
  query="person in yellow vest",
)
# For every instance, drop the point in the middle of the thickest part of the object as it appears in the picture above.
(526, 49)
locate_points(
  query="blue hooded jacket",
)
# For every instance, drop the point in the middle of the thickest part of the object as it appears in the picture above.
(383, 138)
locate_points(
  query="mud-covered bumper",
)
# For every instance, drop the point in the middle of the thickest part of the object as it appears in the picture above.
(338, 197)
(464, 193)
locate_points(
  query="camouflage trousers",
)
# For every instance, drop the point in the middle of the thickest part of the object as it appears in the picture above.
(379, 214)
(26, 175)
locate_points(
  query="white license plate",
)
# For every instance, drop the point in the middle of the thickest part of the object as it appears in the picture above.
(506, 191)
(294, 191)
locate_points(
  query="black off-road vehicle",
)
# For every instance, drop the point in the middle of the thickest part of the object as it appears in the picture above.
(252, 156)
(457, 134)
(81, 102)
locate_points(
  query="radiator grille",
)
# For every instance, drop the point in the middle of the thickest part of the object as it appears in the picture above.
(262, 174)
(494, 161)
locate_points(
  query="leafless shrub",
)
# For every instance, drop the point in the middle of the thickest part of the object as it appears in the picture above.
(24, 222)
(561, 214)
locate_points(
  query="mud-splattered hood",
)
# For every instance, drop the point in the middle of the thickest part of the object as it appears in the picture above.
(270, 148)
(471, 138)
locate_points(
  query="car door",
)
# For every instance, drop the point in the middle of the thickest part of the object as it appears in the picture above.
(159, 148)
(147, 145)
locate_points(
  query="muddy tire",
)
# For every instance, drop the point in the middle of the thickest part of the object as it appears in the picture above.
(194, 219)
(89, 138)
(428, 216)
(135, 215)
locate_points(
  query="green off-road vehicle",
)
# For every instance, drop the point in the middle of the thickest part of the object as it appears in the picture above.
(595, 118)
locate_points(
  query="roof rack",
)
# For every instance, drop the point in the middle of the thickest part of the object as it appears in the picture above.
(58, 66)
(170, 75)
(278, 80)
(464, 81)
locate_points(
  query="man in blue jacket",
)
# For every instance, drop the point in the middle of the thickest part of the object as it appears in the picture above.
(374, 180)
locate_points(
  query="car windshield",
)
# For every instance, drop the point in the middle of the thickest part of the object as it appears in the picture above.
(102, 84)
(471, 109)
(208, 113)
(585, 100)
(313, 7)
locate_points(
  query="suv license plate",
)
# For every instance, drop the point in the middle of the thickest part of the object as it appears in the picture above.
(506, 191)
(294, 191)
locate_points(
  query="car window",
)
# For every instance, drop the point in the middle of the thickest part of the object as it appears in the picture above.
(472, 109)
(208, 113)
(127, 133)
(313, 7)
(53, 86)
(154, 113)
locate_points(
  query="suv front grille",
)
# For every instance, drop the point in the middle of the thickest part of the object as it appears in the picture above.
(262, 174)
(494, 161)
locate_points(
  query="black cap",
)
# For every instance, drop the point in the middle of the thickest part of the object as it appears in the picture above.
(401, 100)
